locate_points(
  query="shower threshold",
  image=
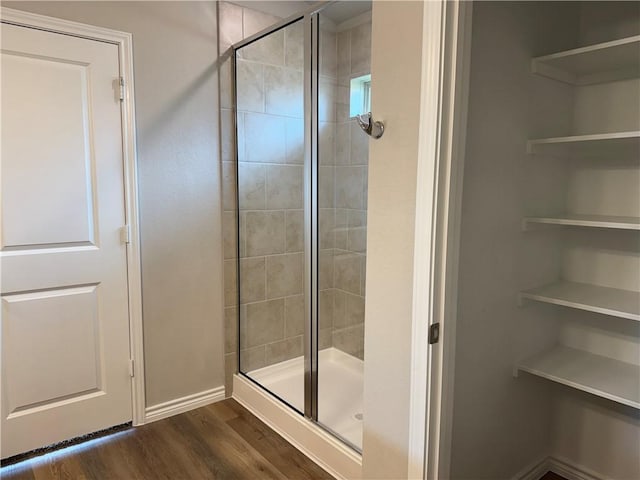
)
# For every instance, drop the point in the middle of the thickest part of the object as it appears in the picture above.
(340, 387)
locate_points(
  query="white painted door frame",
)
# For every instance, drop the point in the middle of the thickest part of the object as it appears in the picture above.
(446, 46)
(125, 52)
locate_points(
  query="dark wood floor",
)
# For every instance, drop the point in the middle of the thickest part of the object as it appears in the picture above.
(220, 441)
(552, 476)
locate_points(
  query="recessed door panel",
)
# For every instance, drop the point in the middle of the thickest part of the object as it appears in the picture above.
(51, 344)
(46, 152)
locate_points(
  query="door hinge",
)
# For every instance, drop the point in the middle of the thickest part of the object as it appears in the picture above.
(434, 333)
(121, 83)
(125, 234)
(131, 368)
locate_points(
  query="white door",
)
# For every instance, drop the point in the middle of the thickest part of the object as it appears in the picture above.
(65, 322)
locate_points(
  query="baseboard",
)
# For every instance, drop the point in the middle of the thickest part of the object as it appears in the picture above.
(560, 466)
(322, 448)
(571, 471)
(183, 404)
(534, 471)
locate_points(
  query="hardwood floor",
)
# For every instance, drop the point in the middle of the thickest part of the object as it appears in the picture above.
(219, 441)
(552, 476)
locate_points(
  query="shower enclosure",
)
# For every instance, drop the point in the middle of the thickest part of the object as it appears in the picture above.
(302, 212)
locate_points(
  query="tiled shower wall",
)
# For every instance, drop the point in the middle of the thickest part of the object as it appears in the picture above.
(270, 135)
(350, 196)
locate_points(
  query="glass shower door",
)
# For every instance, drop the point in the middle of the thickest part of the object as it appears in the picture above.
(270, 176)
(344, 74)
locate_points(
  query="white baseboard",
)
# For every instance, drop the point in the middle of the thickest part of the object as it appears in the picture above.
(571, 471)
(560, 466)
(322, 448)
(183, 404)
(534, 471)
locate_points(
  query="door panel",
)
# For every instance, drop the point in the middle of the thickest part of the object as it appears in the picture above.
(65, 323)
(56, 328)
(49, 101)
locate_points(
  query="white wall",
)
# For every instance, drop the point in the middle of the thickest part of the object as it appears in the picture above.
(392, 200)
(176, 88)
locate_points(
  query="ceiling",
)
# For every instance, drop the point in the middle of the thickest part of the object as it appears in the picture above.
(338, 11)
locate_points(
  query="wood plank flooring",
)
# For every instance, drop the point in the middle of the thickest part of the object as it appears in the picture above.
(219, 441)
(552, 476)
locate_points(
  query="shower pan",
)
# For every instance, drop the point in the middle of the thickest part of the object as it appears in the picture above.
(302, 162)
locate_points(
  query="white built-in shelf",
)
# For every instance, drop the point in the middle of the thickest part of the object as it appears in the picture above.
(591, 221)
(602, 376)
(593, 298)
(603, 62)
(610, 144)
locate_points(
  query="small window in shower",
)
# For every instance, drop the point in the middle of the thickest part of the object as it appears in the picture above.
(360, 95)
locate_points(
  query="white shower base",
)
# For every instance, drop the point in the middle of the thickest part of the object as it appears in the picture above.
(340, 386)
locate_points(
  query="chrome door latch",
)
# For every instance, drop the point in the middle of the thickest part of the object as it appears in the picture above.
(370, 126)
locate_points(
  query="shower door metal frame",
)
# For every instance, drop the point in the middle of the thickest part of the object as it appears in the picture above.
(310, 21)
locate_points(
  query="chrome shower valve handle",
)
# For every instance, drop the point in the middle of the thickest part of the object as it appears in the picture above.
(370, 126)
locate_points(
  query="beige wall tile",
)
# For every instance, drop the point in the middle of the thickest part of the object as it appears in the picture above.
(361, 48)
(325, 338)
(264, 233)
(357, 231)
(349, 187)
(326, 187)
(230, 292)
(268, 50)
(341, 228)
(294, 45)
(230, 368)
(294, 316)
(339, 308)
(327, 96)
(285, 186)
(229, 235)
(250, 86)
(343, 144)
(355, 310)
(325, 308)
(252, 359)
(347, 272)
(350, 340)
(326, 227)
(227, 145)
(328, 53)
(253, 186)
(344, 54)
(294, 231)
(254, 21)
(284, 91)
(285, 275)
(230, 24)
(264, 323)
(359, 154)
(284, 350)
(325, 262)
(252, 279)
(228, 186)
(326, 147)
(226, 83)
(230, 330)
(363, 275)
(294, 136)
(264, 138)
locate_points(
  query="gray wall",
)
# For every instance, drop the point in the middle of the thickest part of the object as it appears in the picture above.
(176, 92)
(502, 424)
